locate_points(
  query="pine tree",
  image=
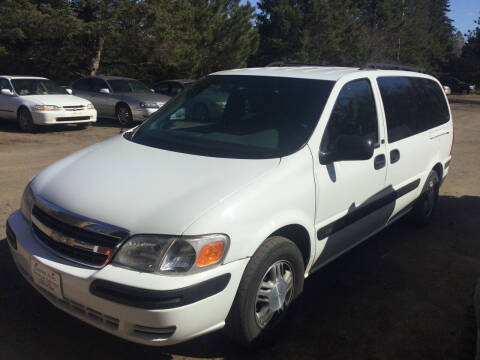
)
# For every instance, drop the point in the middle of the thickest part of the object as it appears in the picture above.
(469, 64)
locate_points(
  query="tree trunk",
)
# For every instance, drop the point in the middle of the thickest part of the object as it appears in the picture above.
(95, 64)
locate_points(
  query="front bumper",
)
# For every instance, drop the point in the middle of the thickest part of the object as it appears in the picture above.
(64, 117)
(141, 114)
(156, 324)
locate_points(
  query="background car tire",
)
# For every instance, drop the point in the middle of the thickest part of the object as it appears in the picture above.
(25, 120)
(123, 115)
(425, 206)
(242, 323)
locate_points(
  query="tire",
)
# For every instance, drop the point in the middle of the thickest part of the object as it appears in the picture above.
(425, 206)
(253, 315)
(84, 125)
(25, 121)
(123, 115)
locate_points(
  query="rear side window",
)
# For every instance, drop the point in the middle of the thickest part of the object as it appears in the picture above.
(354, 113)
(82, 85)
(412, 105)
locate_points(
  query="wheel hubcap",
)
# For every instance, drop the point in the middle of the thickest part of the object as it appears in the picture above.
(23, 120)
(123, 116)
(274, 293)
(429, 201)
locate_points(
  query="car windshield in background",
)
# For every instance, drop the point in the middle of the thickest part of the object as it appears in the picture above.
(128, 86)
(37, 87)
(238, 117)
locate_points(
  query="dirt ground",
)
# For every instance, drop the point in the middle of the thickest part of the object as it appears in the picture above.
(404, 294)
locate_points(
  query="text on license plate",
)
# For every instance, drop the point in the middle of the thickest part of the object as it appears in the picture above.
(46, 278)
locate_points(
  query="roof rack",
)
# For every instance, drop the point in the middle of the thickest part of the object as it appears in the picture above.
(289, 63)
(381, 66)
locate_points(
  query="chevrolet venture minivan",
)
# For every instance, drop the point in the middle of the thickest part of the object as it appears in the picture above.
(187, 224)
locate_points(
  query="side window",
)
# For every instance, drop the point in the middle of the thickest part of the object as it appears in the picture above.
(412, 105)
(98, 84)
(5, 84)
(175, 89)
(81, 85)
(162, 88)
(354, 113)
(432, 106)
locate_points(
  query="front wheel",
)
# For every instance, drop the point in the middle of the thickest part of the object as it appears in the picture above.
(124, 115)
(25, 120)
(271, 282)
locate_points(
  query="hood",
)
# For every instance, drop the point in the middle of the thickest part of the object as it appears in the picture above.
(144, 189)
(145, 97)
(59, 100)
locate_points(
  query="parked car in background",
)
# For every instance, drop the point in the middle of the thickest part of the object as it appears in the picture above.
(120, 98)
(447, 90)
(182, 226)
(36, 101)
(458, 86)
(171, 87)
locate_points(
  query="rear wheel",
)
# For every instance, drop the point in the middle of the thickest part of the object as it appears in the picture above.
(425, 205)
(124, 115)
(272, 280)
(25, 120)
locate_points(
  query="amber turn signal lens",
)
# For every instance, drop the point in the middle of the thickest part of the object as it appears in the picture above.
(210, 253)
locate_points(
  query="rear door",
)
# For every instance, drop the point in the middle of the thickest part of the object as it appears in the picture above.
(350, 194)
(416, 114)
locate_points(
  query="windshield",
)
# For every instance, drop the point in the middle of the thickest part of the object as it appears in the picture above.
(37, 87)
(128, 86)
(238, 117)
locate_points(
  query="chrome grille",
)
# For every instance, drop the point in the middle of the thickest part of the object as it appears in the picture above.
(75, 237)
(74, 107)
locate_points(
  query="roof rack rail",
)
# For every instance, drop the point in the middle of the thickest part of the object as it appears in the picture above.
(289, 63)
(381, 66)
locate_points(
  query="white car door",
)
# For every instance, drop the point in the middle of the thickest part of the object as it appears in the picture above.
(413, 112)
(7, 102)
(352, 200)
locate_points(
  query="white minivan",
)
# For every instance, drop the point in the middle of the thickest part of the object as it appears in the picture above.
(187, 224)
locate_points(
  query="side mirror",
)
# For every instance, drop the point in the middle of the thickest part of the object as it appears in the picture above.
(104, 91)
(349, 148)
(68, 90)
(7, 92)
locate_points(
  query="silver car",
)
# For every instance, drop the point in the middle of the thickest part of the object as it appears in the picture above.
(120, 98)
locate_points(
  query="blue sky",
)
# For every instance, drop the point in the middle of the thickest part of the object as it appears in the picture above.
(464, 13)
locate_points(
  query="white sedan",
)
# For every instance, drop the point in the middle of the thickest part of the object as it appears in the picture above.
(36, 101)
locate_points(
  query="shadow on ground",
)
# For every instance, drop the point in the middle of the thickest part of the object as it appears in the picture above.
(404, 294)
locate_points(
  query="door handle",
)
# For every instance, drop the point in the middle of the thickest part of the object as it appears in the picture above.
(394, 156)
(379, 162)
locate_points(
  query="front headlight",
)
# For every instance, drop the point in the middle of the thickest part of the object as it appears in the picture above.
(90, 107)
(27, 203)
(165, 254)
(47, 108)
(148, 105)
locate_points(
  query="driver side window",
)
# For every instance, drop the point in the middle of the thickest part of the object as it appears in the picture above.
(354, 114)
